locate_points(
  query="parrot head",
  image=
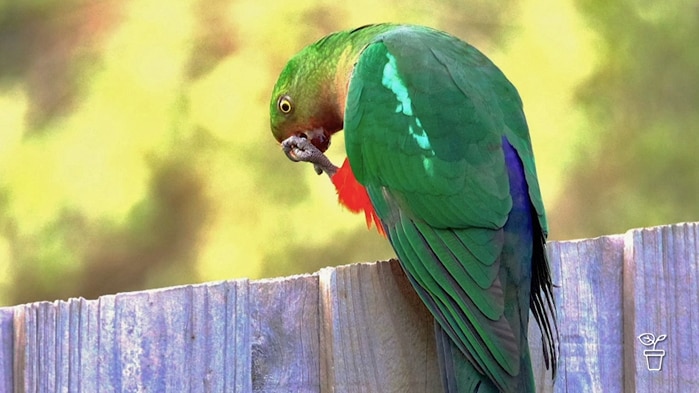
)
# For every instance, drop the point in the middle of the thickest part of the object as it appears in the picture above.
(308, 105)
(303, 101)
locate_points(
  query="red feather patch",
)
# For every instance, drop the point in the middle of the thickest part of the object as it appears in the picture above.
(353, 196)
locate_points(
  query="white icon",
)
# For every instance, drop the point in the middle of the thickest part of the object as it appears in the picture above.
(654, 357)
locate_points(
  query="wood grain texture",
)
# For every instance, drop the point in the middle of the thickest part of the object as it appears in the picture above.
(6, 349)
(360, 328)
(377, 335)
(285, 335)
(589, 301)
(661, 296)
(187, 338)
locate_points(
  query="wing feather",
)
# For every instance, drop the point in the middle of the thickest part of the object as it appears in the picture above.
(425, 120)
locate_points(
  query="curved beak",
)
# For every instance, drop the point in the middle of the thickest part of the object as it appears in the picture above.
(319, 138)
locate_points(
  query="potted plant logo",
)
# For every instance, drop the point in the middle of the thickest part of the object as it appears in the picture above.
(654, 357)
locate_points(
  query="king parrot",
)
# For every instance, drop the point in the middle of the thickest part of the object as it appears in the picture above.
(440, 160)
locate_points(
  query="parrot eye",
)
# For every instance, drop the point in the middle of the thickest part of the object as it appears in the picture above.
(284, 104)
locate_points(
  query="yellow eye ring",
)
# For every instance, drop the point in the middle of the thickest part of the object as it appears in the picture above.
(284, 104)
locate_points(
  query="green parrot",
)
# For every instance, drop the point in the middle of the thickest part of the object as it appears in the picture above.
(440, 160)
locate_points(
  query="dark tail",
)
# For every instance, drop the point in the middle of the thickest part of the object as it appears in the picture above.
(541, 301)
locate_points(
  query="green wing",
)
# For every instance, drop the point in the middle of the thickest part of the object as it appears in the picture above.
(424, 122)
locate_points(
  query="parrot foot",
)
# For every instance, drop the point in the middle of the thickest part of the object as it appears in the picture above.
(300, 149)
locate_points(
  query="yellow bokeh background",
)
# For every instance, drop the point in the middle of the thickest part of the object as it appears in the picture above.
(135, 149)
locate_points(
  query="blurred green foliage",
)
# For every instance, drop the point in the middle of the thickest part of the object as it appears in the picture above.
(135, 150)
(642, 105)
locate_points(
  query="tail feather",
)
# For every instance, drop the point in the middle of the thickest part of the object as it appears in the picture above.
(542, 302)
(458, 374)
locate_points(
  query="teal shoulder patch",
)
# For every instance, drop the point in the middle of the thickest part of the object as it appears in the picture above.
(412, 129)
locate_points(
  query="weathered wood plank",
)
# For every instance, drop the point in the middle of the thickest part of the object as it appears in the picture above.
(589, 301)
(661, 296)
(192, 338)
(6, 349)
(285, 335)
(377, 335)
(221, 317)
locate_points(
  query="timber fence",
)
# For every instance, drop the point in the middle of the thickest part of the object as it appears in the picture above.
(361, 328)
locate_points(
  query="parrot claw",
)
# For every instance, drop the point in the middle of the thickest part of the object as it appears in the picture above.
(297, 148)
(300, 149)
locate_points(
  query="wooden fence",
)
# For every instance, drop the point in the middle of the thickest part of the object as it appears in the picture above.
(361, 328)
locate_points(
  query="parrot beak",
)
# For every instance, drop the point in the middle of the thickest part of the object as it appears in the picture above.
(319, 138)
